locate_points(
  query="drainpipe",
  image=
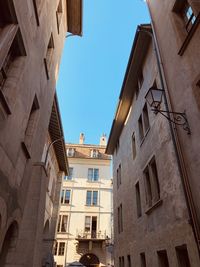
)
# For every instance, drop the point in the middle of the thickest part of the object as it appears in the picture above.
(177, 147)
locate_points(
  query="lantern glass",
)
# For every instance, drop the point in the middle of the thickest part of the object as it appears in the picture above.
(154, 97)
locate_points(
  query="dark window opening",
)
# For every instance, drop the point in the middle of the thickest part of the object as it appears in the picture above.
(143, 260)
(49, 56)
(138, 200)
(32, 121)
(162, 258)
(133, 146)
(182, 256)
(141, 132)
(59, 15)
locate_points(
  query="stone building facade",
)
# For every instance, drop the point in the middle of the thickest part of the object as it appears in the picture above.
(32, 35)
(176, 26)
(84, 230)
(152, 222)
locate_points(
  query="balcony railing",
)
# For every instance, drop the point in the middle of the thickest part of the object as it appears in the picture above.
(88, 235)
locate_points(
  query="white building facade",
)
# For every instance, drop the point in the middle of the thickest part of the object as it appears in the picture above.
(84, 229)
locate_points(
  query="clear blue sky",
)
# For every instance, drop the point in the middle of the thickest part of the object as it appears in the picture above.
(93, 67)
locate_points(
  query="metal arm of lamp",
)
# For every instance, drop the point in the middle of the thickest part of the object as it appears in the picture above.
(154, 99)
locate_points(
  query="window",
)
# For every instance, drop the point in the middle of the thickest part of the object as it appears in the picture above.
(59, 249)
(151, 183)
(55, 248)
(185, 12)
(91, 226)
(62, 224)
(94, 153)
(145, 118)
(87, 223)
(128, 261)
(12, 46)
(120, 219)
(138, 200)
(133, 146)
(93, 174)
(59, 15)
(31, 124)
(49, 56)
(122, 261)
(70, 152)
(188, 15)
(143, 123)
(182, 256)
(65, 196)
(141, 132)
(162, 258)
(69, 177)
(92, 198)
(143, 260)
(119, 181)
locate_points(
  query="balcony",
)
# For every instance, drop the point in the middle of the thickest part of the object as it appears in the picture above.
(91, 236)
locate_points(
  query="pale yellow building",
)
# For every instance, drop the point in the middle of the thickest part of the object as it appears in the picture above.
(84, 230)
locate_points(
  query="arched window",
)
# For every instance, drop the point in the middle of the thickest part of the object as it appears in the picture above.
(10, 242)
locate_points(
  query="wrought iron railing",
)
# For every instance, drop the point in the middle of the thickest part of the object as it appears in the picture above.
(91, 234)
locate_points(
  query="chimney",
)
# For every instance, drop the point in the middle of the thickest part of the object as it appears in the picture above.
(81, 139)
(103, 140)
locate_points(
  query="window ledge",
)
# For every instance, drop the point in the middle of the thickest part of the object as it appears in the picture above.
(4, 103)
(87, 205)
(89, 181)
(26, 150)
(189, 36)
(155, 205)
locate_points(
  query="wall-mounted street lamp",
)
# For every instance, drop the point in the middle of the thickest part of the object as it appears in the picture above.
(154, 99)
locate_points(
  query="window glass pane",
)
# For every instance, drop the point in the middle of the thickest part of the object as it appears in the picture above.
(61, 250)
(96, 174)
(70, 173)
(62, 196)
(59, 221)
(64, 223)
(89, 198)
(90, 174)
(95, 197)
(87, 223)
(55, 248)
(67, 196)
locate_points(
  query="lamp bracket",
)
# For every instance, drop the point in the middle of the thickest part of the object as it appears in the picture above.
(179, 118)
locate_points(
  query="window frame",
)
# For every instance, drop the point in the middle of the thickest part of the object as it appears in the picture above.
(64, 197)
(49, 56)
(61, 223)
(152, 185)
(92, 203)
(70, 176)
(93, 174)
(181, 21)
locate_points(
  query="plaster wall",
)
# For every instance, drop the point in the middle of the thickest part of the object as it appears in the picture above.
(166, 224)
